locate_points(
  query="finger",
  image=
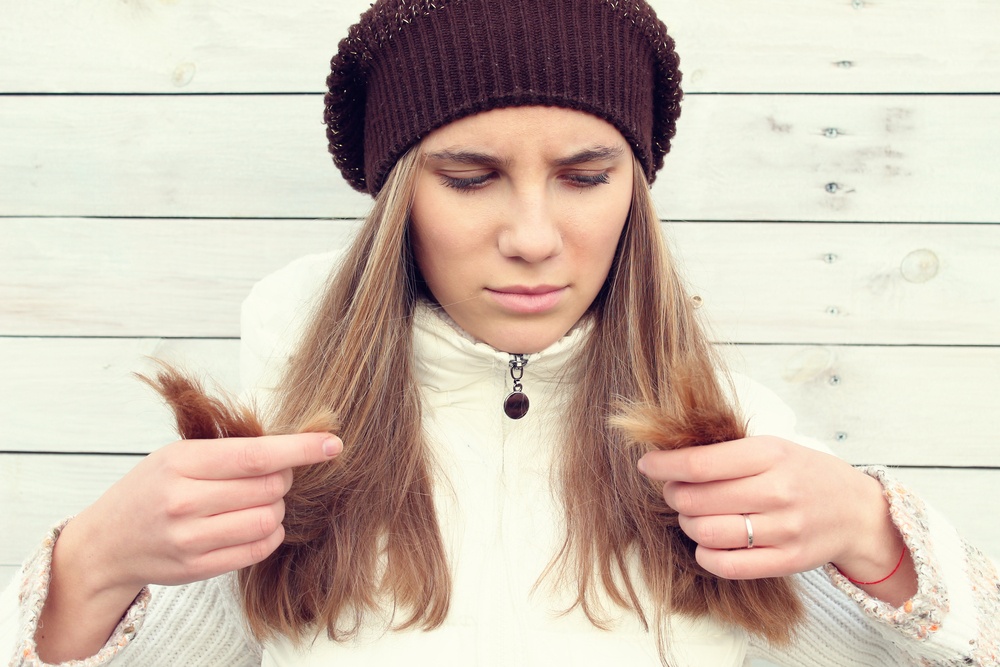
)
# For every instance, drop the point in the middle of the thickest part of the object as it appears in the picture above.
(203, 498)
(724, 460)
(728, 531)
(221, 531)
(756, 563)
(232, 458)
(758, 493)
(231, 558)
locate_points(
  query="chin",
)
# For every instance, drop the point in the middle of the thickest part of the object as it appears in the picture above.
(525, 339)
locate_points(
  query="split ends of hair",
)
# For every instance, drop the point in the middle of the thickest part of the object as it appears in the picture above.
(202, 416)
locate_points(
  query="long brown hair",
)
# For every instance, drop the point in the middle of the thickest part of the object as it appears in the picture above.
(648, 377)
(361, 532)
(362, 537)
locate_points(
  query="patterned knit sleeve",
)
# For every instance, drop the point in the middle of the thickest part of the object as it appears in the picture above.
(198, 624)
(954, 618)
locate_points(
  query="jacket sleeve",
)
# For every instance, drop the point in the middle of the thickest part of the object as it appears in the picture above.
(954, 618)
(197, 624)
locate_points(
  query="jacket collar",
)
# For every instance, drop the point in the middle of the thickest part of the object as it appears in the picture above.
(447, 358)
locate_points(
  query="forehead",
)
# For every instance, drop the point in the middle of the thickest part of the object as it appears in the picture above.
(512, 130)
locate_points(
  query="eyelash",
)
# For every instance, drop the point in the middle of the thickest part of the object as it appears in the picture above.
(588, 180)
(476, 182)
(470, 183)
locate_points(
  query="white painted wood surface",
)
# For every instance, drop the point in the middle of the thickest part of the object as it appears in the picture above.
(845, 283)
(796, 282)
(747, 157)
(89, 383)
(911, 406)
(258, 46)
(7, 573)
(47, 489)
(86, 277)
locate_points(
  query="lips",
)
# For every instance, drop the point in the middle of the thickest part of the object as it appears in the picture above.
(527, 299)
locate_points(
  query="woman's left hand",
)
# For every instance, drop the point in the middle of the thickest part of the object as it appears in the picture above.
(806, 508)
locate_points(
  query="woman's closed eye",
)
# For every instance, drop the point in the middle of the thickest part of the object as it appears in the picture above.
(588, 180)
(478, 181)
(467, 182)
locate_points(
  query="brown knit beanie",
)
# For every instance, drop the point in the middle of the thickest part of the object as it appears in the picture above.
(411, 66)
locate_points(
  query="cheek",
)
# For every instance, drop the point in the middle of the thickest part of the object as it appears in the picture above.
(440, 248)
(428, 233)
(446, 255)
(439, 220)
(604, 238)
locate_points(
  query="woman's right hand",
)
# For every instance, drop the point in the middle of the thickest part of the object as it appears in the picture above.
(190, 511)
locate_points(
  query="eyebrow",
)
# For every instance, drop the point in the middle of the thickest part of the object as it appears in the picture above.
(593, 154)
(469, 157)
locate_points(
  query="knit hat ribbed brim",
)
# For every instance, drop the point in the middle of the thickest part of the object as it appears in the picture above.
(407, 68)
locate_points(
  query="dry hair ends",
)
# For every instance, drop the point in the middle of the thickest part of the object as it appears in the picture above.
(362, 539)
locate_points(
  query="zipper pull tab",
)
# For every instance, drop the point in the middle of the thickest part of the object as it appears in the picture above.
(516, 404)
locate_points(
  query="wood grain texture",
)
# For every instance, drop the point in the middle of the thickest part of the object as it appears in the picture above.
(80, 395)
(760, 282)
(80, 277)
(911, 406)
(255, 46)
(7, 573)
(37, 491)
(845, 283)
(966, 497)
(753, 157)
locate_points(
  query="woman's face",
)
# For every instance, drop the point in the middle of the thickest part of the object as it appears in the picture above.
(516, 218)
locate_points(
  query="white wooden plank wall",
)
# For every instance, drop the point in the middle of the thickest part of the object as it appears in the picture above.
(832, 194)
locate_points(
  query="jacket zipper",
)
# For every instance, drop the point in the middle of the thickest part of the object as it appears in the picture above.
(515, 405)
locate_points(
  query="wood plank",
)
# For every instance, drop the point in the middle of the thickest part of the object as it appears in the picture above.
(760, 282)
(143, 277)
(170, 156)
(868, 158)
(754, 157)
(80, 395)
(255, 46)
(910, 406)
(7, 573)
(835, 46)
(967, 497)
(38, 490)
(845, 283)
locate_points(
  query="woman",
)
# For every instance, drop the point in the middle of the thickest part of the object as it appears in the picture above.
(509, 363)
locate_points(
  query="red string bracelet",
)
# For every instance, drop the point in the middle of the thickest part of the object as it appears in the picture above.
(877, 581)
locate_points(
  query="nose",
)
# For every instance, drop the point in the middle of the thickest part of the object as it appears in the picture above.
(531, 232)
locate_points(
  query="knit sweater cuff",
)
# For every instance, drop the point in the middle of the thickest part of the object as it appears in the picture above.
(956, 584)
(34, 589)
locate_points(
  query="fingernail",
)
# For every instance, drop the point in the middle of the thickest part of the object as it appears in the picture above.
(332, 446)
(642, 465)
